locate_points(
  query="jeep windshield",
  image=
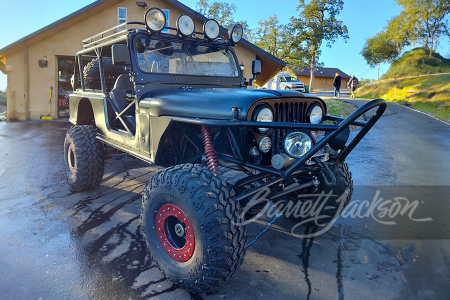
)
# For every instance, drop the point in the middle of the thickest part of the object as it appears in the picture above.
(174, 57)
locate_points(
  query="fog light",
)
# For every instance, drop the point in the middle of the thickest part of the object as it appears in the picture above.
(297, 143)
(265, 144)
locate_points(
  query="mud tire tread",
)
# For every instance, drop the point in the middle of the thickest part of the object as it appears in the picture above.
(215, 209)
(89, 158)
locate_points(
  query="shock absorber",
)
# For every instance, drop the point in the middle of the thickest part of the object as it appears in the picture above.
(210, 152)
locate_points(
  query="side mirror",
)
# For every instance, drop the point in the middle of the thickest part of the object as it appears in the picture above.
(256, 67)
(120, 54)
(256, 70)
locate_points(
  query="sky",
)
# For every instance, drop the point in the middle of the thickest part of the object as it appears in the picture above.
(363, 18)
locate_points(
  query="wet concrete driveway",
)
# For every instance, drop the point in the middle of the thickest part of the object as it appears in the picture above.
(59, 245)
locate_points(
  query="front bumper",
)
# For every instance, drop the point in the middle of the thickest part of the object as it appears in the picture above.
(333, 129)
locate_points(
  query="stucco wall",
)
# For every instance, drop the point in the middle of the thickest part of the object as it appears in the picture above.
(322, 83)
(67, 40)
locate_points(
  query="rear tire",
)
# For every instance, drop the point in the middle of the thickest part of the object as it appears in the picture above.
(190, 222)
(84, 158)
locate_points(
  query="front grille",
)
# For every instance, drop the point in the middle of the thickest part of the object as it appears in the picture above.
(290, 112)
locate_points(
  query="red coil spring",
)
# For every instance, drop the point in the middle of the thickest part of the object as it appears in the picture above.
(210, 152)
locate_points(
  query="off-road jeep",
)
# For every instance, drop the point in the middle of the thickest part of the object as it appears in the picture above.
(179, 100)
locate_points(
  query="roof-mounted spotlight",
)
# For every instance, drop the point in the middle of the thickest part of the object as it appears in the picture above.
(211, 29)
(235, 33)
(155, 20)
(141, 4)
(185, 25)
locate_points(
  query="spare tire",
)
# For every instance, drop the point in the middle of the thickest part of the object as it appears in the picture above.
(91, 73)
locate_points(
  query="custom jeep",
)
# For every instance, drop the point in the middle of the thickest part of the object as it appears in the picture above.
(176, 97)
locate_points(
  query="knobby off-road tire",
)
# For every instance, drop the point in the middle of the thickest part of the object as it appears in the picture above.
(213, 245)
(84, 158)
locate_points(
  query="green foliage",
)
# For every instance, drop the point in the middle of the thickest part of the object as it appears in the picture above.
(277, 40)
(427, 19)
(222, 12)
(317, 23)
(417, 62)
(379, 49)
(364, 81)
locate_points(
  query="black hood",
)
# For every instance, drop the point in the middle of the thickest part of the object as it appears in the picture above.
(214, 103)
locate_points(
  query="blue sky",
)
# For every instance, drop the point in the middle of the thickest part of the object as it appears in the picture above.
(364, 18)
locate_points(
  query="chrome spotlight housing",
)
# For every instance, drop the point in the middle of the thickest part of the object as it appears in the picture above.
(185, 25)
(155, 20)
(235, 33)
(211, 29)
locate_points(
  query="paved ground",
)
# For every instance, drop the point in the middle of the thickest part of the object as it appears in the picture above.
(59, 245)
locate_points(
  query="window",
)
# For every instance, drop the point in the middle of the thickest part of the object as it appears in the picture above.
(282, 79)
(167, 13)
(121, 16)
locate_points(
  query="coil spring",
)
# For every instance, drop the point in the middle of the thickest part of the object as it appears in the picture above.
(210, 152)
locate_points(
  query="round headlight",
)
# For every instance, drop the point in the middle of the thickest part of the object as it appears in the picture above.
(236, 33)
(265, 144)
(155, 19)
(211, 29)
(185, 25)
(315, 114)
(296, 144)
(264, 114)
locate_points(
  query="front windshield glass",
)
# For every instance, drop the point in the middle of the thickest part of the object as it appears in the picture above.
(291, 79)
(169, 57)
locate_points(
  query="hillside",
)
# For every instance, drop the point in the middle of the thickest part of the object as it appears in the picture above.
(428, 93)
(417, 62)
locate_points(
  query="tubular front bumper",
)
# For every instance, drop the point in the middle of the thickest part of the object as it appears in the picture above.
(334, 130)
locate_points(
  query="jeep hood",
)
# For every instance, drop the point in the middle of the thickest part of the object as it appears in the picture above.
(212, 103)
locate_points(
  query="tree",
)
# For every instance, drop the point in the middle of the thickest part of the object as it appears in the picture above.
(222, 12)
(277, 40)
(380, 49)
(429, 19)
(401, 31)
(317, 23)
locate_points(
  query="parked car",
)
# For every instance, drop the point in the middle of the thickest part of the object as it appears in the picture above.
(180, 100)
(284, 81)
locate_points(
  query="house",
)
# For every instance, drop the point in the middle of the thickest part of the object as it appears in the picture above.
(323, 77)
(44, 59)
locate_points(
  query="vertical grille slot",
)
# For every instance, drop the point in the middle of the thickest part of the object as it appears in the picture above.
(290, 112)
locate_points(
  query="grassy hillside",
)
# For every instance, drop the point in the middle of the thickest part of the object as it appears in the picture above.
(430, 93)
(417, 62)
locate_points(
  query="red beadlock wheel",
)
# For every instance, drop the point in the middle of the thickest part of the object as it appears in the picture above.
(175, 233)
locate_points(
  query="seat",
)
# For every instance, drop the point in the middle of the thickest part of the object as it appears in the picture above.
(119, 91)
(119, 104)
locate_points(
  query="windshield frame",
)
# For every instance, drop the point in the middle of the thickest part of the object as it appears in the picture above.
(180, 78)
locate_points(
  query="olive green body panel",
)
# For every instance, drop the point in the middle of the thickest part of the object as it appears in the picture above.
(87, 108)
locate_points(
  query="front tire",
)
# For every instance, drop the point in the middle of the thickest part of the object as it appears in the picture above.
(191, 225)
(84, 158)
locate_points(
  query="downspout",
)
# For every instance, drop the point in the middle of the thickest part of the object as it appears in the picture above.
(26, 81)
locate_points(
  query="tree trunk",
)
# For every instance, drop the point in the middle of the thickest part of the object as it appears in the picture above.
(313, 69)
